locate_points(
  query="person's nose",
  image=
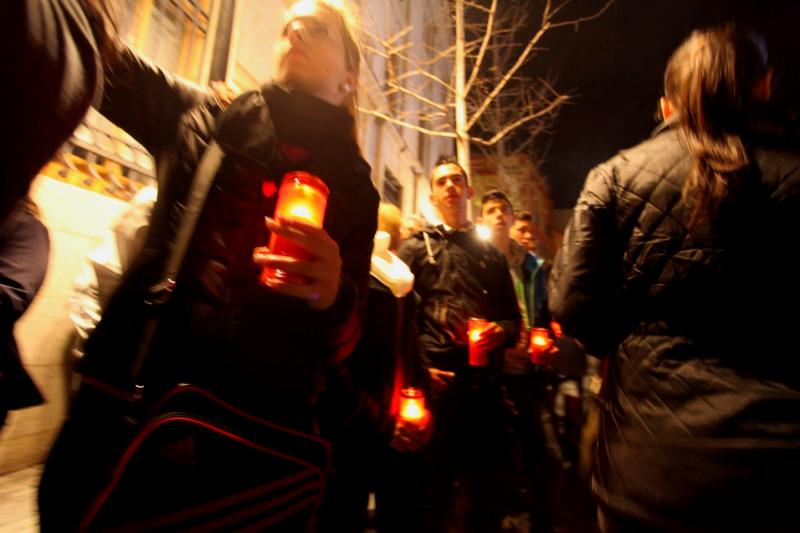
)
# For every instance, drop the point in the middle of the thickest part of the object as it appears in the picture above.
(296, 32)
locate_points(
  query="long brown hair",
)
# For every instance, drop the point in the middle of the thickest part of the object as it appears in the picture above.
(709, 81)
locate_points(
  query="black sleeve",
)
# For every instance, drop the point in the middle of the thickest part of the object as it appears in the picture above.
(24, 249)
(585, 282)
(51, 73)
(345, 316)
(146, 101)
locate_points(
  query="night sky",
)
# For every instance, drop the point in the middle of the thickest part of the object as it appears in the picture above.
(614, 66)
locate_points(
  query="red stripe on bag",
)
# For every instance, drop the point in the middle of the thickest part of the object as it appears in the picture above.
(261, 526)
(257, 509)
(216, 505)
(101, 499)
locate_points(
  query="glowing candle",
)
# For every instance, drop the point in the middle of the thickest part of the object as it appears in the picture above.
(412, 405)
(302, 197)
(540, 346)
(475, 329)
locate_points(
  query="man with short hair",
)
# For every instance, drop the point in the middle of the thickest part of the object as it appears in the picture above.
(459, 276)
(522, 231)
(523, 384)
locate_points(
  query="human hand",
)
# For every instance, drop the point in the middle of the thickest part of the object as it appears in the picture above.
(322, 271)
(224, 92)
(492, 337)
(411, 436)
(440, 379)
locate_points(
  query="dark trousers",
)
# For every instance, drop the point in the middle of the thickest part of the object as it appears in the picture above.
(535, 432)
(466, 457)
(366, 463)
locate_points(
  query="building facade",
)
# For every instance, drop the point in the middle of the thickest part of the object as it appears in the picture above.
(86, 186)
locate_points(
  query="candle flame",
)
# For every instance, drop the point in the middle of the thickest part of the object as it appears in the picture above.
(412, 410)
(539, 340)
(300, 211)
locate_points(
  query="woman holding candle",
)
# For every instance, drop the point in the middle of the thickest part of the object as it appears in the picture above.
(700, 429)
(262, 343)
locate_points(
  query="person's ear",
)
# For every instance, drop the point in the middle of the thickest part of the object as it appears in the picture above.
(348, 86)
(762, 90)
(470, 192)
(666, 108)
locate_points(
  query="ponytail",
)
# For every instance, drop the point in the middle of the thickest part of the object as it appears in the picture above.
(709, 81)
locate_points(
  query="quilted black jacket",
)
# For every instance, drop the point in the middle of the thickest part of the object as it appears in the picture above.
(701, 428)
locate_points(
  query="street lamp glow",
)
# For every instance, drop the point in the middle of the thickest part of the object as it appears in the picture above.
(483, 231)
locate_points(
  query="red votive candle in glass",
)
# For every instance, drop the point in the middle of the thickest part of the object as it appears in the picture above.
(475, 329)
(412, 404)
(540, 347)
(302, 197)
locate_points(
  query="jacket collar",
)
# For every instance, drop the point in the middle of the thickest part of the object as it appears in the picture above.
(254, 123)
(307, 121)
(664, 126)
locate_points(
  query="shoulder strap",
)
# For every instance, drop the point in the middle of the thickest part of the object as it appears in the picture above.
(161, 292)
(201, 184)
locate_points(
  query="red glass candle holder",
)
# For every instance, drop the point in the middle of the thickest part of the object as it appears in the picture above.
(302, 197)
(412, 405)
(475, 329)
(540, 346)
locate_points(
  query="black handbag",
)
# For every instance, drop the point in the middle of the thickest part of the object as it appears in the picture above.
(199, 463)
(186, 459)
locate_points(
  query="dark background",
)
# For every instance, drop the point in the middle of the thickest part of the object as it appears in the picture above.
(614, 68)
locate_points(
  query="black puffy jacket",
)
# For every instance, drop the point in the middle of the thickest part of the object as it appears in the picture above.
(701, 428)
(224, 330)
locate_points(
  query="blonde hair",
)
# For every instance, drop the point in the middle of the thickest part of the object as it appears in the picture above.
(345, 20)
(390, 220)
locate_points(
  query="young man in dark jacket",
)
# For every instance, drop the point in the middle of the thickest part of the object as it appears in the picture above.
(459, 276)
(524, 384)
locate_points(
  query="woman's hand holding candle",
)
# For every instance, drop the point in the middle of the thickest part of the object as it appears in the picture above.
(411, 436)
(322, 271)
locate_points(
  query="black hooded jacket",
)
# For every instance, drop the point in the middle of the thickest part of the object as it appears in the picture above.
(458, 276)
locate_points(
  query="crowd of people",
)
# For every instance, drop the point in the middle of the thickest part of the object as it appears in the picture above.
(225, 384)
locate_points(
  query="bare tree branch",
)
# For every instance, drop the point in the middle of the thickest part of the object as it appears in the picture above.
(404, 124)
(399, 35)
(546, 25)
(517, 123)
(397, 50)
(476, 6)
(583, 19)
(425, 74)
(421, 98)
(373, 50)
(555, 11)
(486, 36)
